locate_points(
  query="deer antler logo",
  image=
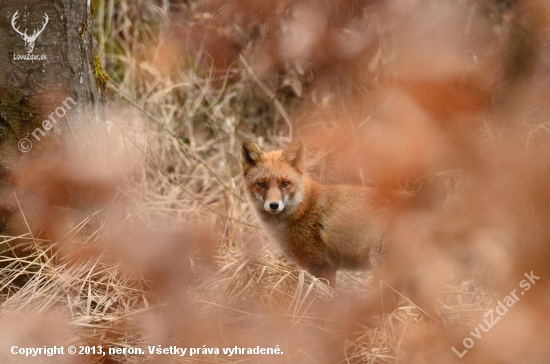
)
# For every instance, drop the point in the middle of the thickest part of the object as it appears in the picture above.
(29, 40)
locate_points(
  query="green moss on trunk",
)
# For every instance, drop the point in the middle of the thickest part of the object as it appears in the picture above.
(101, 77)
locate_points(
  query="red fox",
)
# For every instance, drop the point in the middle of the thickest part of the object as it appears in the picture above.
(322, 228)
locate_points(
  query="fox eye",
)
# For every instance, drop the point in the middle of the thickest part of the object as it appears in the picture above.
(285, 184)
(261, 185)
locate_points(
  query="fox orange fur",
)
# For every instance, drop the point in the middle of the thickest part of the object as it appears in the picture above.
(320, 227)
(324, 228)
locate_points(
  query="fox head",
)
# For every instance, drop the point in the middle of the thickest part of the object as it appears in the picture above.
(275, 180)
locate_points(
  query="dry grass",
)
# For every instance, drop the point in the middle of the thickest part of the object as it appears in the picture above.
(439, 99)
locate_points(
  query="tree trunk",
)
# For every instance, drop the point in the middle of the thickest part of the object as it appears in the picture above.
(51, 86)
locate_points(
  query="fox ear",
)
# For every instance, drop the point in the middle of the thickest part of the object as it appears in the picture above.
(251, 154)
(294, 154)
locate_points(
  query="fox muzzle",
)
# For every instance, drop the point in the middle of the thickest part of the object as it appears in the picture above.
(274, 207)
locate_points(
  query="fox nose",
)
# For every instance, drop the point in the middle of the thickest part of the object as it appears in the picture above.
(274, 205)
